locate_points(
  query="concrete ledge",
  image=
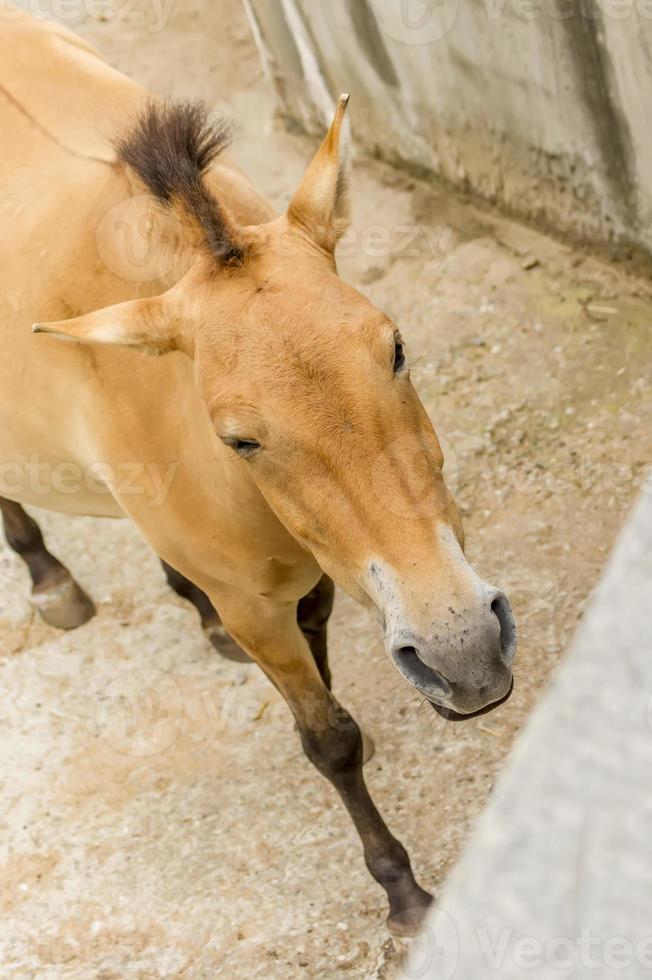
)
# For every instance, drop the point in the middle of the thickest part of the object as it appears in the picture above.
(540, 106)
(557, 880)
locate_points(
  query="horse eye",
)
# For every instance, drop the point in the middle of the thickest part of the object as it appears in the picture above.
(243, 447)
(399, 355)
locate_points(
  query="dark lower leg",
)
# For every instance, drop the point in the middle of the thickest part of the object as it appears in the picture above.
(55, 594)
(313, 613)
(335, 748)
(210, 621)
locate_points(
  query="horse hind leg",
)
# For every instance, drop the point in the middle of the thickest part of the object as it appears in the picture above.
(56, 596)
(313, 613)
(210, 621)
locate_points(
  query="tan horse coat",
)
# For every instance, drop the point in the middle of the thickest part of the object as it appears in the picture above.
(282, 352)
(109, 409)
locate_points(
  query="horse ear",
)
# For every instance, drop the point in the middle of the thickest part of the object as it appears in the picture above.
(321, 204)
(148, 325)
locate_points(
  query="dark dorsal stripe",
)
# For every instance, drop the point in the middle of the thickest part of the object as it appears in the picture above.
(170, 147)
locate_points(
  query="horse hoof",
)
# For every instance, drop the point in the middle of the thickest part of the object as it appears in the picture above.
(368, 748)
(63, 605)
(406, 923)
(225, 644)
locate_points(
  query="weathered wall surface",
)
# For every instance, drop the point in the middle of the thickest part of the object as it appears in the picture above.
(542, 106)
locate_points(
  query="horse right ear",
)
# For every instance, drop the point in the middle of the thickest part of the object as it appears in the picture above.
(148, 325)
(321, 205)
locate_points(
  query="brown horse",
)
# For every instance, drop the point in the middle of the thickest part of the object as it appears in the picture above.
(274, 444)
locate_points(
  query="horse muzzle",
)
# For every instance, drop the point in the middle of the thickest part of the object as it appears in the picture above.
(463, 665)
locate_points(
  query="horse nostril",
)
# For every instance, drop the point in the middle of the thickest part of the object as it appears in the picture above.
(502, 610)
(412, 667)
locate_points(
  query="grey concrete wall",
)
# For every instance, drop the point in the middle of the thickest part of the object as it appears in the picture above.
(541, 106)
(557, 881)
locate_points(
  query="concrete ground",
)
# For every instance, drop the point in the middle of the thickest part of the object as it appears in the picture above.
(158, 818)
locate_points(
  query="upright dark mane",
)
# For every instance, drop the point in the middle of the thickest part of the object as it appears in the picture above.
(170, 147)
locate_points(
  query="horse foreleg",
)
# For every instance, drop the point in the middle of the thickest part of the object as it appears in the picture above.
(57, 597)
(313, 612)
(210, 621)
(331, 739)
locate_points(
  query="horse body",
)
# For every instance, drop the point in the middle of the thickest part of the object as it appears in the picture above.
(76, 414)
(276, 439)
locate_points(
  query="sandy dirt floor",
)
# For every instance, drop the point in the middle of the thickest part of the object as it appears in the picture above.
(157, 816)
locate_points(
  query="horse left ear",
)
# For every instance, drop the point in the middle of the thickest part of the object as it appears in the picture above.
(321, 204)
(148, 325)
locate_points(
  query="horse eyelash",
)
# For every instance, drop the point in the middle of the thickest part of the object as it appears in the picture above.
(243, 447)
(400, 359)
